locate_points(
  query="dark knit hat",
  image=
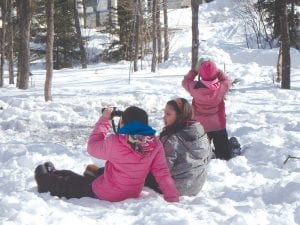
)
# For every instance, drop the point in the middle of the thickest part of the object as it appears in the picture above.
(134, 113)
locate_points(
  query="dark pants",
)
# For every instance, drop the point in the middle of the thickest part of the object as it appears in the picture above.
(66, 183)
(151, 183)
(220, 140)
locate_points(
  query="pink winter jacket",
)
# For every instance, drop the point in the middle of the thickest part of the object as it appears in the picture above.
(208, 105)
(126, 169)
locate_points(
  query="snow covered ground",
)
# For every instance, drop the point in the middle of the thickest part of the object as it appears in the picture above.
(256, 188)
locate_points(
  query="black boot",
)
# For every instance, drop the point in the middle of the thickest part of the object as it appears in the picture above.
(235, 147)
(40, 174)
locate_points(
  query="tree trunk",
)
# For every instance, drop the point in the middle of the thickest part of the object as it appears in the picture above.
(24, 52)
(49, 49)
(158, 24)
(10, 45)
(142, 34)
(136, 34)
(166, 36)
(279, 65)
(84, 13)
(294, 23)
(154, 37)
(79, 37)
(110, 15)
(277, 9)
(195, 32)
(3, 42)
(285, 41)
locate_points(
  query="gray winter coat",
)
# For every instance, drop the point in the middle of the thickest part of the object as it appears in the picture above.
(188, 153)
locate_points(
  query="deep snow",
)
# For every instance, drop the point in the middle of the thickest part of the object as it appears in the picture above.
(256, 188)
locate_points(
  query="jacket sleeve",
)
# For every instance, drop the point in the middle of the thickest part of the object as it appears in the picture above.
(223, 78)
(163, 177)
(188, 82)
(98, 145)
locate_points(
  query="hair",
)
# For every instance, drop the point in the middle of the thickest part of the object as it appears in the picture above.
(134, 113)
(183, 111)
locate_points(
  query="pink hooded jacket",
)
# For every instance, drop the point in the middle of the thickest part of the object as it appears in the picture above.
(126, 169)
(208, 103)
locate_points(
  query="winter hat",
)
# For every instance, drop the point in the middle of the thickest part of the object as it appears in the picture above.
(134, 113)
(208, 70)
(135, 122)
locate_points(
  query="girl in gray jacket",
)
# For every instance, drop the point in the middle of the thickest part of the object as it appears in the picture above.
(186, 146)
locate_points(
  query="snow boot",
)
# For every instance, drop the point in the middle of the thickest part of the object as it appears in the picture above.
(40, 174)
(235, 147)
(93, 170)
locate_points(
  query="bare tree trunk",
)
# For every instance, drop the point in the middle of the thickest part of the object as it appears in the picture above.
(84, 13)
(277, 9)
(294, 22)
(279, 64)
(159, 39)
(24, 52)
(154, 37)
(10, 46)
(79, 37)
(285, 40)
(110, 15)
(246, 35)
(49, 49)
(136, 34)
(195, 32)
(166, 36)
(18, 38)
(142, 34)
(3, 42)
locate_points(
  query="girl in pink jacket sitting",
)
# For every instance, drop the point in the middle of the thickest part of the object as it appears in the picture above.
(208, 94)
(130, 155)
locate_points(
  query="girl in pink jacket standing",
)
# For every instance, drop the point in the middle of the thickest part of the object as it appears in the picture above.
(208, 94)
(130, 155)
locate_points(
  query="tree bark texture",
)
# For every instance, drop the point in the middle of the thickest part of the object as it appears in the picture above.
(10, 44)
(24, 52)
(195, 32)
(154, 37)
(2, 42)
(83, 59)
(49, 49)
(166, 35)
(159, 38)
(285, 42)
(136, 41)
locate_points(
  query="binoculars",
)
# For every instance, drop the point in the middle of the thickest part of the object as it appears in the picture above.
(114, 113)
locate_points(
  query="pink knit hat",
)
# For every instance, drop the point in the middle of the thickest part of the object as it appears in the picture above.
(208, 70)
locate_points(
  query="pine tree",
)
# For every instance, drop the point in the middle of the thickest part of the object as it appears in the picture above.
(65, 40)
(272, 9)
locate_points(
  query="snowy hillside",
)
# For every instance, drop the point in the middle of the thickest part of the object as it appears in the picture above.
(256, 188)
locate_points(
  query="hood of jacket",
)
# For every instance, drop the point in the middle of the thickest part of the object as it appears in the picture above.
(142, 145)
(141, 137)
